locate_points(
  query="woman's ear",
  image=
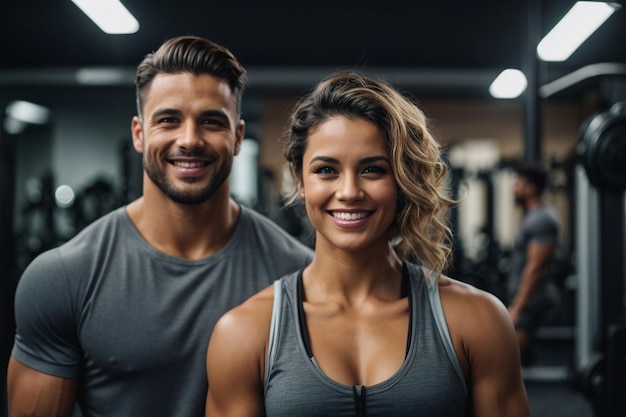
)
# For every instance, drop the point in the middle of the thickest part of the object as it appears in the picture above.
(298, 179)
(300, 187)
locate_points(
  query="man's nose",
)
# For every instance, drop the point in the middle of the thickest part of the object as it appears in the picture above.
(189, 137)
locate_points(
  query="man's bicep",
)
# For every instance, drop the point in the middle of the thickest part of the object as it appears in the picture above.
(36, 394)
(46, 336)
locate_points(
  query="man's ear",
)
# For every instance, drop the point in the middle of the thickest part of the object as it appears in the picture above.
(136, 130)
(240, 130)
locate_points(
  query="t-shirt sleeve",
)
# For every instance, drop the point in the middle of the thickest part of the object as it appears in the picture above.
(544, 230)
(46, 319)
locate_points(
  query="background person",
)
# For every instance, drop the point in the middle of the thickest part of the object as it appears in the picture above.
(117, 319)
(533, 296)
(370, 327)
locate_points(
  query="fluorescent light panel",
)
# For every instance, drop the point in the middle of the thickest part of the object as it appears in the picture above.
(573, 29)
(510, 83)
(27, 112)
(105, 76)
(20, 113)
(110, 15)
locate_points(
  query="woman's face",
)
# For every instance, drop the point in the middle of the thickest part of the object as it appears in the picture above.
(347, 184)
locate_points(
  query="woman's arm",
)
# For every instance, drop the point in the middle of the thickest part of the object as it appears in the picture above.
(236, 359)
(486, 343)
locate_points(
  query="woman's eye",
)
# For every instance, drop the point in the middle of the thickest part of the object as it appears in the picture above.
(325, 170)
(375, 170)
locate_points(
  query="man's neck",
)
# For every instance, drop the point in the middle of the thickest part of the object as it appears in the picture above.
(532, 203)
(187, 231)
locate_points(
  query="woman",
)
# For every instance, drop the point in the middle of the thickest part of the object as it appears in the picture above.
(371, 327)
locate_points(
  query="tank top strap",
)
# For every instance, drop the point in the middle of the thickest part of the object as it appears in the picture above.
(431, 280)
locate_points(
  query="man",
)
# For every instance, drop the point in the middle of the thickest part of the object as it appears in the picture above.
(117, 320)
(533, 295)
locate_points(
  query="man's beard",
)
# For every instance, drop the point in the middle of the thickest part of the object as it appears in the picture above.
(520, 201)
(197, 196)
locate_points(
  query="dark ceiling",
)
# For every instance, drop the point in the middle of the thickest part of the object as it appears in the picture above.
(438, 46)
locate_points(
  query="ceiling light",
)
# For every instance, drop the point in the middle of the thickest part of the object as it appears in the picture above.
(105, 76)
(110, 15)
(28, 112)
(64, 196)
(573, 29)
(13, 126)
(510, 83)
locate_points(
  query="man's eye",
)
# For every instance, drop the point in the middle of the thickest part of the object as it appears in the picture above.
(168, 120)
(212, 122)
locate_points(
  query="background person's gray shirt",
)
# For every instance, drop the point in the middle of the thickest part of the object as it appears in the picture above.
(538, 225)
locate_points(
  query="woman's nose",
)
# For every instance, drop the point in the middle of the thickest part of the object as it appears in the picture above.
(349, 188)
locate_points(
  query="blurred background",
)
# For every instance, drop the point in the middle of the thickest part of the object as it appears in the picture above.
(70, 159)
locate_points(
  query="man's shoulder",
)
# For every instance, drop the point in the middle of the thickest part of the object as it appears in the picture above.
(108, 223)
(543, 216)
(262, 223)
(266, 230)
(86, 243)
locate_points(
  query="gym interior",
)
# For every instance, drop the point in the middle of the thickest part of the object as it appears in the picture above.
(76, 163)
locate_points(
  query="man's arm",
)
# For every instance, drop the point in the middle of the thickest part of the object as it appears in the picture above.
(34, 394)
(538, 258)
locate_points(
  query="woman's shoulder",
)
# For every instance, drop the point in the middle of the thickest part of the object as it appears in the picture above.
(472, 311)
(251, 315)
(240, 337)
(467, 296)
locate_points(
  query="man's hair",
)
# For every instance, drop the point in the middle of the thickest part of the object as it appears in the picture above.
(194, 55)
(534, 174)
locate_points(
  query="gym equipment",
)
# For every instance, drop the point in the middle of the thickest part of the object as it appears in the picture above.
(602, 148)
(601, 219)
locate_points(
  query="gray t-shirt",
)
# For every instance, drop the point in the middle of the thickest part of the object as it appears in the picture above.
(539, 225)
(133, 323)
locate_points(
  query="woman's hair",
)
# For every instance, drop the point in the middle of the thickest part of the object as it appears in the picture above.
(416, 159)
(190, 54)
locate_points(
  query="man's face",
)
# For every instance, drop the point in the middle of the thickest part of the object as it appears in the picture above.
(521, 190)
(189, 135)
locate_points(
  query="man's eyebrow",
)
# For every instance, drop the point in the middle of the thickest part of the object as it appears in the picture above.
(220, 114)
(165, 111)
(214, 113)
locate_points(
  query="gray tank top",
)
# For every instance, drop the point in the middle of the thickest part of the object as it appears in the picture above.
(430, 382)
